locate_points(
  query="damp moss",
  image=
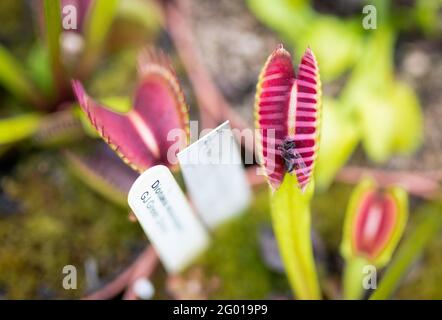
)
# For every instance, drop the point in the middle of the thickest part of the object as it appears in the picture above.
(61, 222)
(234, 257)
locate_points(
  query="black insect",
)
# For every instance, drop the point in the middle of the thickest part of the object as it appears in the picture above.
(292, 158)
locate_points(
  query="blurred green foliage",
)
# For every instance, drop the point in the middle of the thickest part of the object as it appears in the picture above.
(50, 232)
(14, 78)
(372, 107)
(36, 98)
(62, 221)
(16, 128)
(36, 74)
(339, 137)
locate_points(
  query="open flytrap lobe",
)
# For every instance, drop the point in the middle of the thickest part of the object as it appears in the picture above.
(140, 136)
(374, 224)
(287, 112)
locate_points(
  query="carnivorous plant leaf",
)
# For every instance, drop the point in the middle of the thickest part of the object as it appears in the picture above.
(287, 111)
(140, 135)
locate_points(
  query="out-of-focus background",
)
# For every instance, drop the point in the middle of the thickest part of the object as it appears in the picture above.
(63, 191)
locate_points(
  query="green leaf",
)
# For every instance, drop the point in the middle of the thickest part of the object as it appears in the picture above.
(97, 25)
(291, 224)
(18, 128)
(52, 15)
(98, 22)
(353, 276)
(427, 15)
(145, 13)
(339, 138)
(408, 121)
(374, 68)
(118, 103)
(388, 111)
(13, 77)
(336, 43)
(40, 69)
(288, 17)
(377, 116)
(391, 123)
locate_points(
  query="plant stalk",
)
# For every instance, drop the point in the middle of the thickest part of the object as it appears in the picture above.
(292, 227)
(353, 277)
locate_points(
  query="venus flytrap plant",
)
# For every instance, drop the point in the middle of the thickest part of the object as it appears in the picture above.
(288, 112)
(374, 224)
(139, 136)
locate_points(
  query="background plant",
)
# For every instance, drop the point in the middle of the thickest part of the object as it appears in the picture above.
(222, 71)
(371, 106)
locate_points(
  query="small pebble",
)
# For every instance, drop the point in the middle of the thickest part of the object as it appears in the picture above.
(144, 289)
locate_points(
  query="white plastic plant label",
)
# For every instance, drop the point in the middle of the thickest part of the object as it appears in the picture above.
(215, 177)
(167, 218)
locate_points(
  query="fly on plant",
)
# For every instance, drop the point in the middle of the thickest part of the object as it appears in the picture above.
(288, 116)
(288, 104)
(292, 158)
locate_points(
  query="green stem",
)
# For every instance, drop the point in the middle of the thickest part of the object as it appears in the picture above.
(408, 252)
(52, 15)
(353, 276)
(98, 23)
(13, 77)
(292, 226)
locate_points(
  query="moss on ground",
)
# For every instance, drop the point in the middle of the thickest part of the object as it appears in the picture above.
(61, 222)
(235, 259)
